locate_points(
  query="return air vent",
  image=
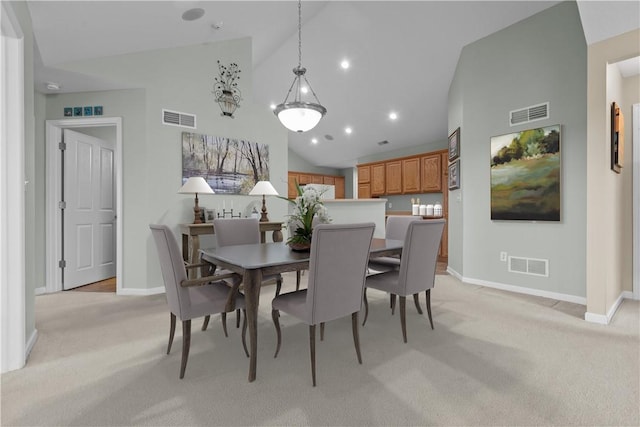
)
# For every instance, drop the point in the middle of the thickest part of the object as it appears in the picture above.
(529, 114)
(176, 118)
(532, 266)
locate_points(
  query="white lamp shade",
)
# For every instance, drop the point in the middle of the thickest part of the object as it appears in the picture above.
(299, 118)
(263, 188)
(196, 185)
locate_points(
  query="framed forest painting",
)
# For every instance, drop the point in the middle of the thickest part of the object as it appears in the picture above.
(525, 175)
(230, 166)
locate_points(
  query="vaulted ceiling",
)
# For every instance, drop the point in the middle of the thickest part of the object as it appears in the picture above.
(402, 54)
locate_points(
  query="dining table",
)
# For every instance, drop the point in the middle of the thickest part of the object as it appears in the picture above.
(253, 261)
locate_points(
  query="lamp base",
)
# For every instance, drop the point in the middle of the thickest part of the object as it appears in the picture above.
(263, 216)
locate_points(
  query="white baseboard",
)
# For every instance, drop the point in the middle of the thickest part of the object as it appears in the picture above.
(40, 291)
(601, 318)
(454, 273)
(141, 292)
(31, 342)
(528, 291)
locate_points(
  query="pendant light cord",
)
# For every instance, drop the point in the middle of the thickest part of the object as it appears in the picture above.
(299, 33)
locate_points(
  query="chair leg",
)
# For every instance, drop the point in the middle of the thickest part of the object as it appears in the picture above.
(393, 304)
(223, 316)
(312, 347)
(275, 315)
(172, 331)
(298, 273)
(322, 331)
(403, 317)
(366, 306)
(244, 332)
(205, 324)
(186, 343)
(356, 338)
(416, 300)
(279, 286)
(238, 318)
(428, 292)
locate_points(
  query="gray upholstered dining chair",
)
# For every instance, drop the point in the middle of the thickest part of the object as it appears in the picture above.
(396, 228)
(337, 269)
(190, 299)
(239, 231)
(417, 268)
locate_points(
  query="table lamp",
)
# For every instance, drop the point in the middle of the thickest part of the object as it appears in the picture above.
(266, 189)
(195, 185)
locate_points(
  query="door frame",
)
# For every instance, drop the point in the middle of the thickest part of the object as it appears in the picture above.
(635, 186)
(54, 130)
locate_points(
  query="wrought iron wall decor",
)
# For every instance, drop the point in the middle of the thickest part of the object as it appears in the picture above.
(225, 88)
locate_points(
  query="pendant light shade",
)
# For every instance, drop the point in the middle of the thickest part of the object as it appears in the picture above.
(297, 115)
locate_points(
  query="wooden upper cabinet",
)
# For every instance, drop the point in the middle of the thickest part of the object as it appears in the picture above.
(364, 174)
(339, 183)
(292, 192)
(378, 179)
(431, 173)
(304, 179)
(329, 180)
(364, 191)
(411, 175)
(394, 177)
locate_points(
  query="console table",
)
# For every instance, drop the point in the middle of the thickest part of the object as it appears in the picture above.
(191, 237)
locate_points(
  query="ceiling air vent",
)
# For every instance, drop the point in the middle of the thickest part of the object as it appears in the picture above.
(176, 118)
(385, 142)
(529, 114)
(532, 266)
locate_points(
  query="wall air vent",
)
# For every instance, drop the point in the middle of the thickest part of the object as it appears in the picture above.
(532, 266)
(529, 114)
(176, 118)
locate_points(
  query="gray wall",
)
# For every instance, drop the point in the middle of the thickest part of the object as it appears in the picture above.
(298, 164)
(543, 58)
(178, 79)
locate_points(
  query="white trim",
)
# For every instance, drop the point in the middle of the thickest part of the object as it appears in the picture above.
(40, 291)
(54, 190)
(12, 188)
(636, 200)
(528, 291)
(605, 320)
(31, 342)
(454, 273)
(142, 292)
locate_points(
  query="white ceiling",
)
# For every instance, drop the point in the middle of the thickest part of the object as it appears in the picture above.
(403, 54)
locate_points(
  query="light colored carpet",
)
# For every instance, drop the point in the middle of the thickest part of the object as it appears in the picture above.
(494, 358)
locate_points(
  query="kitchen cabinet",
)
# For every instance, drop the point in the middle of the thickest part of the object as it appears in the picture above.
(292, 192)
(339, 183)
(304, 179)
(317, 179)
(314, 178)
(378, 179)
(364, 191)
(393, 177)
(364, 174)
(411, 175)
(431, 173)
(328, 180)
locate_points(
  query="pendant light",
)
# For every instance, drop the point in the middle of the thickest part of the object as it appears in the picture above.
(297, 115)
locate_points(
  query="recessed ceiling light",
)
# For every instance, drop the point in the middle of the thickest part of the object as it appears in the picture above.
(53, 85)
(272, 106)
(393, 115)
(344, 64)
(314, 140)
(193, 14)
(348, 130)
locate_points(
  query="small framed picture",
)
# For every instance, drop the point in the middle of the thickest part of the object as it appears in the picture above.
(454, 175)
(97, 110)
(209, 215)
(68, 111)
(88, 111)
(454, 145)
(77, 111)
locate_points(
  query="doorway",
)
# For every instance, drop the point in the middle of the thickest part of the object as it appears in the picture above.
(55, 194)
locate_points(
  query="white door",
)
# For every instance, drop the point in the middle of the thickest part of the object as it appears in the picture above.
(89, 242)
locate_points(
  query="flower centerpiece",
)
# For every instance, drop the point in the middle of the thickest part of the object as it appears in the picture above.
(225, 88)
(306, 207)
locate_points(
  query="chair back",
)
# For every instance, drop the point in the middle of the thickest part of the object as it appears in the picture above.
(337, 268)
(419, 256)
(173, 270)
(397, 226)
(240, 231)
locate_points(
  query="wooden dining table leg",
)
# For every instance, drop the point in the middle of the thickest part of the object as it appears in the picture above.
(252, 280)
